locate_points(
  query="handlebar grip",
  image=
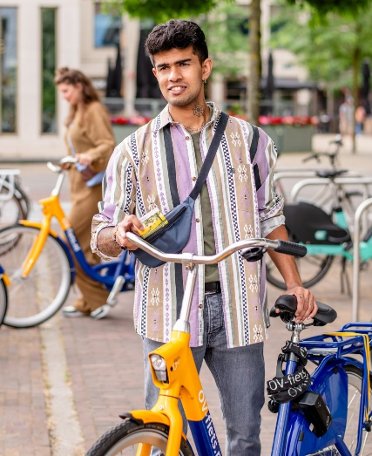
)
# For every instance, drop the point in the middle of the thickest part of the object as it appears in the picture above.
(291, 248)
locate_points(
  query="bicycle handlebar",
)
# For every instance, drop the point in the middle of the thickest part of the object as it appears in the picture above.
(67, 160)
(287, 247)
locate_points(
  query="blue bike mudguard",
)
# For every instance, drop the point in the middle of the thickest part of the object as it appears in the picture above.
(330, 381)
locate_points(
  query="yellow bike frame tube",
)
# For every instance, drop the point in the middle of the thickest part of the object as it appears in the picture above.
(184, 382)
(166, 412)
(51, 208)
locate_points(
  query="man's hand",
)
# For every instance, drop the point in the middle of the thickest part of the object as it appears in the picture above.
(129, 223)
(306, 304)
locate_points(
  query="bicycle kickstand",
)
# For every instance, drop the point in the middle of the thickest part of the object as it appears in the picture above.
(111, 301)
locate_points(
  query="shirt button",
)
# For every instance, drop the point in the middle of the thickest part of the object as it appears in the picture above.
(187, 138)
(197, 220)
(200, 306)
(194, 178)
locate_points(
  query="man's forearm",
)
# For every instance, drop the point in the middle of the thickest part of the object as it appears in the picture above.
(286, 264)
(106, 243)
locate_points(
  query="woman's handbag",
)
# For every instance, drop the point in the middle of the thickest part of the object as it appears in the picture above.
(173, 237)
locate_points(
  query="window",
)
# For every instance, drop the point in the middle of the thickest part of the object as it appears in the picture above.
(48, 67)
(8, 70)
(107, 27)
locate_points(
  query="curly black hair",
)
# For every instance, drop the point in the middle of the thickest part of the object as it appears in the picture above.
(178, 34)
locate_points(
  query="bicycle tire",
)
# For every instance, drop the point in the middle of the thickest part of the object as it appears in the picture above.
(355, 378)
(124, 439)
(36, 298)
(313, 269)
(3, 301)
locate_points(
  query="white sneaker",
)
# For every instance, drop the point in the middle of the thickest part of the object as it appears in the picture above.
(71, 311)
(101, 312)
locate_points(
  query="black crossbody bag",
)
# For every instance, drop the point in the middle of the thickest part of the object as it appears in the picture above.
(173, 237)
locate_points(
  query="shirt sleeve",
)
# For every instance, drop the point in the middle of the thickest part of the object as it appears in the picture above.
(270, 204)
(118, 194)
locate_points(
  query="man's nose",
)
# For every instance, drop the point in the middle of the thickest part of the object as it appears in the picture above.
(174, 74)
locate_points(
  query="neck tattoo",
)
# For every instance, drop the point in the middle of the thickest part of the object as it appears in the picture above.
(200, 112)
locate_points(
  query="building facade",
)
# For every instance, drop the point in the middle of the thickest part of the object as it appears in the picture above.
(38, 36)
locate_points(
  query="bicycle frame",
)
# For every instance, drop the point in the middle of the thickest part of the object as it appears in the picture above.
(179, 380)
(51, 208)
(331, 353)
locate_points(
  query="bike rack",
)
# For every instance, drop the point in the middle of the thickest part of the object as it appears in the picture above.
(7, 181)
(351, 180)
(356, 257)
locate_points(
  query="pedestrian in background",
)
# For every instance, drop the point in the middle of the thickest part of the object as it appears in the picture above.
(346, 113)
(90, 139)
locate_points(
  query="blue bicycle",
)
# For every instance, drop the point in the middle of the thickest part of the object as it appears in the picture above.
(323, 412)
(327, 411)
(39, 263)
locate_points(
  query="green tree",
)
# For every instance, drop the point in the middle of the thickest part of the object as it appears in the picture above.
(330, 42)
(162, 10)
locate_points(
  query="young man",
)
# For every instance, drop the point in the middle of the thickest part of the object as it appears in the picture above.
(227, 318)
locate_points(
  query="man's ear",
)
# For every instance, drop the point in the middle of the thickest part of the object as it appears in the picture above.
(154, 72)
(206, 68)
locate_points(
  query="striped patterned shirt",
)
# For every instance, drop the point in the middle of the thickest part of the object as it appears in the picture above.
(137, 182)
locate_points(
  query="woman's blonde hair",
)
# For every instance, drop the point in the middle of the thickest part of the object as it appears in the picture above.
(73, 77)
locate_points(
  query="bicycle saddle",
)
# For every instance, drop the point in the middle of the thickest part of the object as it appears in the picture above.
(308, 223)
(287, 305)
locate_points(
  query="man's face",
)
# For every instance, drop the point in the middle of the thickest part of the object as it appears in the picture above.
(180, 75)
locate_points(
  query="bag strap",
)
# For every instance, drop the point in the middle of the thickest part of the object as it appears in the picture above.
(197, 188)
(171, 166)
(204, 170)
(252, 153)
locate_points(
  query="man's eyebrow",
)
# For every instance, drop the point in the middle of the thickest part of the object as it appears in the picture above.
(177, 62)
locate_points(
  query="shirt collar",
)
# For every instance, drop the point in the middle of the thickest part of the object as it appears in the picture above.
(164, 118)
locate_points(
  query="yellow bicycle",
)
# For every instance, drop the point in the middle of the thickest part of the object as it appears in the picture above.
(39, 263)
(159, 430)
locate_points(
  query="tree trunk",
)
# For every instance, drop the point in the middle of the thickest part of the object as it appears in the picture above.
(254, 61)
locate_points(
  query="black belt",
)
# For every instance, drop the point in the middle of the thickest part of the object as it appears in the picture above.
(213, 287)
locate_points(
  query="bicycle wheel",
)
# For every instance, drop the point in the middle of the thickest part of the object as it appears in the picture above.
(37, 297)
(124, 439)
(14, 208)
(355, 378)
(3, 301)
(312, 270)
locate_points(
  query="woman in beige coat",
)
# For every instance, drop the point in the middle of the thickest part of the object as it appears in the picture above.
(90, 139)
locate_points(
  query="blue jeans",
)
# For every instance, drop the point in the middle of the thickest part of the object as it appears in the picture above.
(239, 374)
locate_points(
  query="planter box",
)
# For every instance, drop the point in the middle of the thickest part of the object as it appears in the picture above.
(288, 138)
(291, 138)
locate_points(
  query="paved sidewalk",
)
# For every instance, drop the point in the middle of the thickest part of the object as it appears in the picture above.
(64, 383)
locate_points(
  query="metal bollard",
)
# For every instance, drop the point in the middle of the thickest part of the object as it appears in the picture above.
(356, 257)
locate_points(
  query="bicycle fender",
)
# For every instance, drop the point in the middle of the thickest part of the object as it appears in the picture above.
(54, 233)
(146, 416)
